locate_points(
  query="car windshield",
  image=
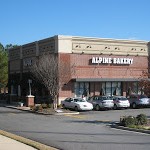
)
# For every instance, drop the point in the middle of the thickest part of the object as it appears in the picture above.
(143, 96)
(79, 100)
(122, 98)
(107, 98)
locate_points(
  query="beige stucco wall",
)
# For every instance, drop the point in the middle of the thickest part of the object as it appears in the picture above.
(74, 44)
(87, 45)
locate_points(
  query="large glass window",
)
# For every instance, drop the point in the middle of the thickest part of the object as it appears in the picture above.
(111, 88)
(133, 88)
(81, 89)
(103, 89)
(108, 88)
(116, 88)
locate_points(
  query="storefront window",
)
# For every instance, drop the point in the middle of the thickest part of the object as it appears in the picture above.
(103, 89)
(81, 89)
(111, 88)
(135, 87)
(116, 88)
(132, 88)
(108, 88)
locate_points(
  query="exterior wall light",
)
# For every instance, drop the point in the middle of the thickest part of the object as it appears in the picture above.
(107, 47)
(88, 46)
(78, 46)
(117, 48)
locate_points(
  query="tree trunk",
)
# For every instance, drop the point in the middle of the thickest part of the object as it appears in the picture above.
(55, 102)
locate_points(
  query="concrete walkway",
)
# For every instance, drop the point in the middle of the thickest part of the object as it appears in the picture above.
(10, 144)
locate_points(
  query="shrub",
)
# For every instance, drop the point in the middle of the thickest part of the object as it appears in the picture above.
(131, 121)
(44, 106)
(133, 126)
(36, 108)
(32, 107)
(141, 119)
(50, 105)
(128, 121)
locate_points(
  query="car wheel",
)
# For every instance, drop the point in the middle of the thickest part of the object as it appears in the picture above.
(97, 108)
(63, 106)
(115, 106)
(76, 108)
(134, 105)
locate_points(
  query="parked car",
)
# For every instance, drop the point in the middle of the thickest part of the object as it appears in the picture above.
(76, 104)
(137, 100)
(101, 102)
(121, 102)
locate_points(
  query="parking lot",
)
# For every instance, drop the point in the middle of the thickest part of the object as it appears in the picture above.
(86, 131)
(114, 115)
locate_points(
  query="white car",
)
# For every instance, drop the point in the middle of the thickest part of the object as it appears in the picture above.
(121, 102)
(76, 104)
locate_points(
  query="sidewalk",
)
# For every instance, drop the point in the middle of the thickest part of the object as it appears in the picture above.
(10, 144)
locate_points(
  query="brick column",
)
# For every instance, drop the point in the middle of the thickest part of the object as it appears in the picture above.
(29, 100)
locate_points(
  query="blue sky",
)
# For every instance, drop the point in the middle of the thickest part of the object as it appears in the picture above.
(24, 21)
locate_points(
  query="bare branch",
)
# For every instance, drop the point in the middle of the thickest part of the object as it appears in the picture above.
(52, 72)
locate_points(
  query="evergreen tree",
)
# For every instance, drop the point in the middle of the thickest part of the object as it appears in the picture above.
(3, 66)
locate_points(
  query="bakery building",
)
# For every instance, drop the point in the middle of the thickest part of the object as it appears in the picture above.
(99, 66)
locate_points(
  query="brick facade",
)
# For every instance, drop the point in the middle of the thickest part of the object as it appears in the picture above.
(76, 53)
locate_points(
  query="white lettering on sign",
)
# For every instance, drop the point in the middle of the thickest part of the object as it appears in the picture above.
(105, 60)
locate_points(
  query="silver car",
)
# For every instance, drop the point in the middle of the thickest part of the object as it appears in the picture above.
(121, 102)
(101, 102)
(137, 100)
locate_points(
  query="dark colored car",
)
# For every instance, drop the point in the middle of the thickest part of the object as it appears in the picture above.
(137, 100)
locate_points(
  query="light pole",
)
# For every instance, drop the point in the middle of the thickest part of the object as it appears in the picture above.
(29, 81)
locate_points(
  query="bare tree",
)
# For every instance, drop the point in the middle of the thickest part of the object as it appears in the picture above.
(53, 72)
(144, 83)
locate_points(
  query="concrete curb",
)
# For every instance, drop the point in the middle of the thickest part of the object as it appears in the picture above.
(42, 113)
(130, 129)
(26, 141)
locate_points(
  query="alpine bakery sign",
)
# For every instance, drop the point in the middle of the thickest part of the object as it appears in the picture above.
(108, 60)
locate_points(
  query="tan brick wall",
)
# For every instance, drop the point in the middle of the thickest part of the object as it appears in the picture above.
(29, 50)
(15, 66)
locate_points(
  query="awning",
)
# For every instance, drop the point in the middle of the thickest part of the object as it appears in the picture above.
(107, 79)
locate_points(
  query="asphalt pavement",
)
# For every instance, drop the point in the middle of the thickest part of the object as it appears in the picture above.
(82, 132)
(7, 143)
